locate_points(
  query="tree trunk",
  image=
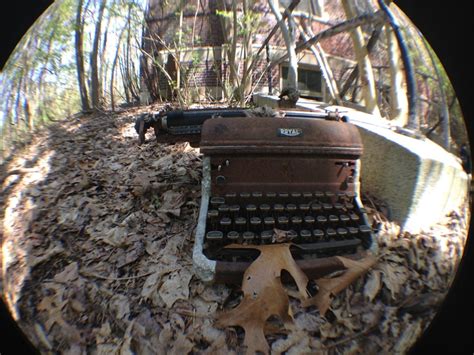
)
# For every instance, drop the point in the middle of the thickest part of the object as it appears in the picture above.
(398, 98)
(369, 90)
(95, 82)
(114, 65)
(80, 58)
(290, 43)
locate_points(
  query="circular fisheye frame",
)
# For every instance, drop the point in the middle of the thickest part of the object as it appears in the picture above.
(239, 176)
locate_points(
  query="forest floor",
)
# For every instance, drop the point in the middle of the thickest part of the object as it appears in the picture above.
(97, 255)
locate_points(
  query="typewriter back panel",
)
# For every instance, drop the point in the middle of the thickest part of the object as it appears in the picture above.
(275, 154)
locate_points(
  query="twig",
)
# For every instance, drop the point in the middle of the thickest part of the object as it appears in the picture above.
(351, 337)
(97, 276)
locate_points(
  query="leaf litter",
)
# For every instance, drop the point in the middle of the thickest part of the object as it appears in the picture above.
(96, 258)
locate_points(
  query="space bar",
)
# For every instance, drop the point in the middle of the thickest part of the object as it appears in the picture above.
(324, 246)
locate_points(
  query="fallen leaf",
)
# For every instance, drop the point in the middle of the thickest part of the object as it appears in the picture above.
(331, 287)
(264, 295)
(70, 273)
(373, 285)
(281, 236)
(175, 287)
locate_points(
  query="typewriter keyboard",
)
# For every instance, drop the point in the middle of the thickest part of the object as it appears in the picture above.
(319, 224)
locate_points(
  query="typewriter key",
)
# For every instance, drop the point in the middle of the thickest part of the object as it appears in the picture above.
(266, 236)
(230, 195)
(327, 207)
(264, 209)
(250, 209)
(296, 222)
(240, 224)
(244, 195)
(309, 221)
(318, 234)
(319, 195)
(296, 194)
(269, 222)
(353, 232)
(270, 194)
(338, 207)
(257, 194)
(283, 222)
(278, 208)
(331, 233)
(233, 236)
(304, 207)
(234, 210)
(225, 223)
(305, 235)
(350, 195)
(216, 201)
(322, 220)
(255, 223)
(365, 232)
(354, 218)
(329, 196)
(248, 236)
(341, 233)
(307, 194)
(341, 195)
(283, 194)
(344, 219)
(214, 236)
(223, 210)
(212, 216)
(348, 206)
(333, 220)
(291, 208)
(316, 208)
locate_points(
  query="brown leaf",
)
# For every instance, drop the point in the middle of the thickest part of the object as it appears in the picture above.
(331, 287)
(281, 236)
(264, 294)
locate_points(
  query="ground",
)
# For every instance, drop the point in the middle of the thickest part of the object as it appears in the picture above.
(96, 255)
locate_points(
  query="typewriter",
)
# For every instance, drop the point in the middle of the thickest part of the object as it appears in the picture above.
(296, 176)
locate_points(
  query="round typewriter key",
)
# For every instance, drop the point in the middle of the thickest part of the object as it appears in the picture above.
(290, 207)
(212, 213)
(305, 235)
(250, 209)
(257, 194)
(248, 236)
(264, 209)
(341, 232)
(283, 194)
(223, 209)
(327, 207)
(338, 207)
(234, 210)
(216, 201)
(230, 195)
(331, 233)
(348, 206)
(271, 194)
(309, 221)
(319, 194)
(283, 222)
(269, 222)
(240, 224)
(244, 194)
(341, 195)
(296, 222)
(329, 195)
(354, 218)
(318, 234)
(322, 220)
(307, 194)
(214, 236)
(225, 223)
(353, 231)
(278, 208)
(365, 232)
(266, 236)
(334, 220)
(304, 207)
(233, 236)
(350, 194)
(316, 208)
(296, 194)
(344, 219)
(255, 223)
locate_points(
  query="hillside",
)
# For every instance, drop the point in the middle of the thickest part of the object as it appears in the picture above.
(96, 257)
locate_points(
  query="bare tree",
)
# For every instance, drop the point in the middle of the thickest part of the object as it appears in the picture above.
(79, 34)
(95, 82)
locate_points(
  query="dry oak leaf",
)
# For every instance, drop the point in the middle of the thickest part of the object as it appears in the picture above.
(264, 294)
(329, 287)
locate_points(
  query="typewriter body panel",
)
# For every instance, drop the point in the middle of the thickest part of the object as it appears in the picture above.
(263, 175)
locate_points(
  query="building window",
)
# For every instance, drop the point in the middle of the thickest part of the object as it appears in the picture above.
(309, 81)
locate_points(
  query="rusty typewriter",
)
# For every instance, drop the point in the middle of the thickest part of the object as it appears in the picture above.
(296, 176)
